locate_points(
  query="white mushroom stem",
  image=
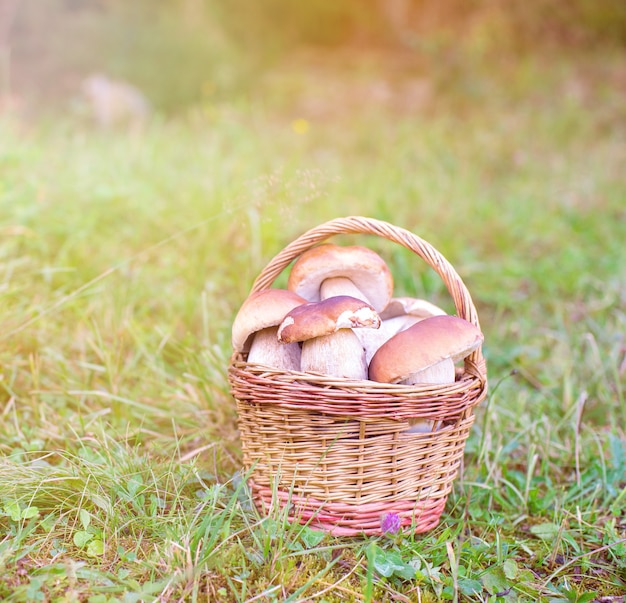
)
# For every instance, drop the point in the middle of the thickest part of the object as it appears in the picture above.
(420, 426)
(329, 346)
(340, 285)
(339, 354)
(440, 373)
(372, 339)
(268, 351)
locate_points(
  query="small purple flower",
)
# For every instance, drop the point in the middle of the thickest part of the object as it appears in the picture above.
(390, 523)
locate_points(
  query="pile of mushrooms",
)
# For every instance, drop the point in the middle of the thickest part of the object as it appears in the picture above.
(338, 317)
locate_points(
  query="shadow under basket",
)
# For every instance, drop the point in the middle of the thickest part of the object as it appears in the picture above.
(335, 453)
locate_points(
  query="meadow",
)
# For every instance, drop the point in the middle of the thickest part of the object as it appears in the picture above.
(125, 256)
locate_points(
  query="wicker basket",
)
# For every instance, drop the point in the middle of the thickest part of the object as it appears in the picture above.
(335, 451)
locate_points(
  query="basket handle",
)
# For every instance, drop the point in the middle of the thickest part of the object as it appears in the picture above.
(360, 225)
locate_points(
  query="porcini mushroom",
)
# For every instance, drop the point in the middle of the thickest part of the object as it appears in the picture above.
(330, 270)
(255, 329)
(425, 352)
(329, 346)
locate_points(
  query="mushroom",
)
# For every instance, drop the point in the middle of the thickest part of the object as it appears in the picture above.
(425, 353)
(399, 314)
(330, 270)
(329, 346)
(255, 329)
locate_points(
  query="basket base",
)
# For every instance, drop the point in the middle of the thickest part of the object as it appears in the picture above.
(340, 519)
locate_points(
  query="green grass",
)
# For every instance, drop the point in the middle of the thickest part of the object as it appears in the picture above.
(124, 259)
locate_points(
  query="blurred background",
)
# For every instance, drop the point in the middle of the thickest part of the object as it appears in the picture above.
(185, 55)
(176, 145)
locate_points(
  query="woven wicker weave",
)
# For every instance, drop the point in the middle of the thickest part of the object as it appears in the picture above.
(336, 452)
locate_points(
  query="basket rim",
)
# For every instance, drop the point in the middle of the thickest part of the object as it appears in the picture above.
(365, 400)
(366, 385)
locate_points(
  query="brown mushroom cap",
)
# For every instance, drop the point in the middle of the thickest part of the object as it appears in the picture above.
(423, 345)
(316, 319)
(364, 267)
(260, 310)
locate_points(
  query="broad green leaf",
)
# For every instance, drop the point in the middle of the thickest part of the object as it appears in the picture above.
(312, 538)
(95, 548)
(33, 591)
(29, 512)
(495, 581)
(12, 509)
(383, 566)
(388, 562)
(546, 531)
(133, 485)
(448, 593)
(101, 502)
(407, 572)
(85, 518)
(510, 569)
(82, 537)
(469, 586)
